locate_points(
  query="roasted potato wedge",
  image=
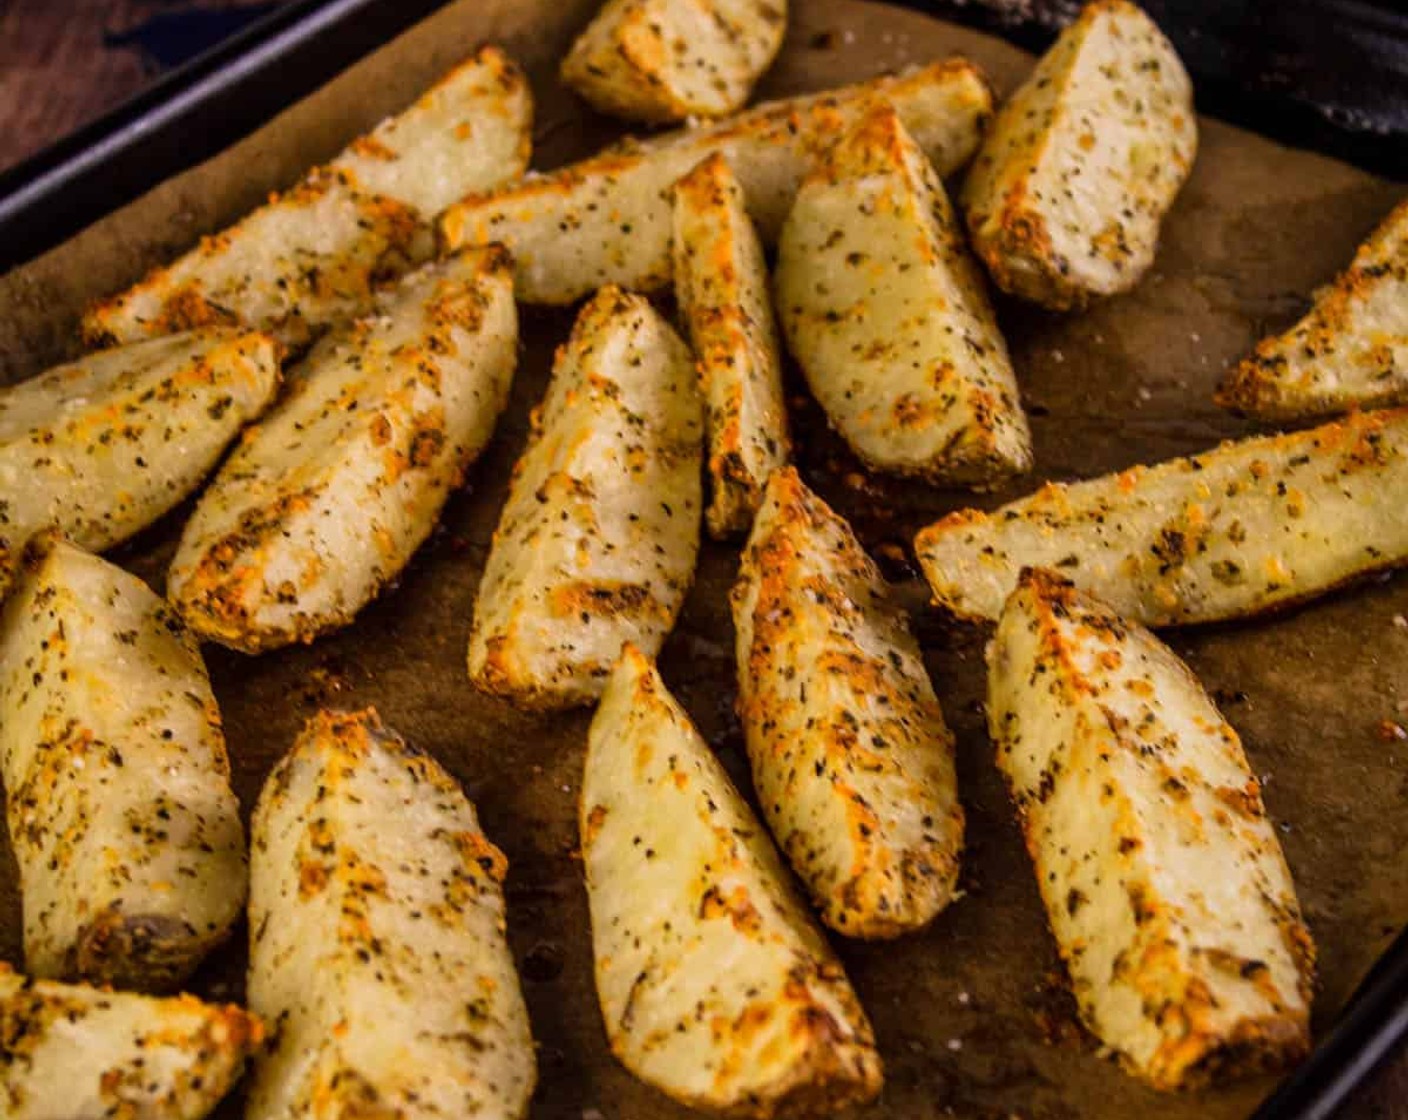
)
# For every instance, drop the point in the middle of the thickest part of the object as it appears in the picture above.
(314, 256)
(1065, 198)
(851, 757)
(122, 821)
(70, 1050)
(608, 220)
(1239, 530)
(886, 314)
(100, 448)
(1350, 350)
(377, 939)
(666, 60)
(597, 541)
(325, 501)
(721, 287)
(1163, 879)
(716, 987)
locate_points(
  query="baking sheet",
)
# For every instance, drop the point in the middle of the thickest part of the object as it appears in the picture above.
(971, 1015)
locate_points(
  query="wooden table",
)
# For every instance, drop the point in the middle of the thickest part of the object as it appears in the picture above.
(56, 73)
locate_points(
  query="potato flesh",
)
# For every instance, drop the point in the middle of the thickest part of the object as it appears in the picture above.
(715, 985)
(327, 499)
(597, 541)
(1163, 879)
(126, 832)
(380, 953)
(1236, 531)
(607, 220)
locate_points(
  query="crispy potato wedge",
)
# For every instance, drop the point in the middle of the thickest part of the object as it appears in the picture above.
(71, 1050)
(314, 256)
(608, 220)
(1243, 529)
(325, 501)
(851, 757)
(380, 952)
(597, 540)
(100, 448)
(721, 287)
(122, 821)
(1163, 879)
(886, 314)
(1065, 198)
(666, 60)
(1350, 350)
(716, 987)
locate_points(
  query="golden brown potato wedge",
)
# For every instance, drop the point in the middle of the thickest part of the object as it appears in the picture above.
(1239, 530)
(716, 987)
(721, 287)
(1065, 198)
(100, 448)
(377, 939)
(126, 832)
(607, 220)
(1350, 350)
(886, 314)
(666, 60)
(597, 541)
(851, 757)
(325, 501)
(70, 1050)
(1163, 879)
(314, 256)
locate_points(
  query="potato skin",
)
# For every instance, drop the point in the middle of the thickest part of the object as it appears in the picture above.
(325, 501)
(314, 256)
(75, 1050)
(126, 832)
(1163, 879)
(1248, 527)
(724, 298)
(887, 315)
(597, 541)
(1350, 350)
(1065, 198)
(716, 987)
(608, 219)
(661, 61)
(851, 757)
(380, 952)
(100, 448)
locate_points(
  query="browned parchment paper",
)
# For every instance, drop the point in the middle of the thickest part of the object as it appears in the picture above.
(969, 1015)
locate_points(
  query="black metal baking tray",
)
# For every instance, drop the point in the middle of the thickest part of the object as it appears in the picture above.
(202, 107)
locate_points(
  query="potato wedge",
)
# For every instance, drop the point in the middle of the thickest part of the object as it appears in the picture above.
(100, 448)
(597, 540)
(325, 502)
(1068, 191)
(716, 987)
(75, 1051)
(380, 951)
(122, 821)
(607, 220)
(851, 757)
(721, 287)
(666, 60)
(1163, 879)
(886, 314)
(1245, 528)
(313, 257)
(1350, 350)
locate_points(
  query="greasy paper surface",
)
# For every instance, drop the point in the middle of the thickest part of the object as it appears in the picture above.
(968, 1015)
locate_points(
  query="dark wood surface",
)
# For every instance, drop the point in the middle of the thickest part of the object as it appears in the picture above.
(58, 71)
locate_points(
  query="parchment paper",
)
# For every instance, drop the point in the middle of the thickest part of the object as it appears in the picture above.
(971, 1016)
